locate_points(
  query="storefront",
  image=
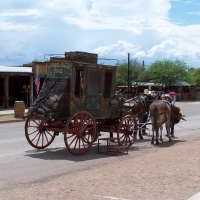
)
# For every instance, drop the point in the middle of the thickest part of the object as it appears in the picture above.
(183, 90)
(16, 84)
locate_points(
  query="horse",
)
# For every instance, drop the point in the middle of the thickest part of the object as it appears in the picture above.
(161, 112)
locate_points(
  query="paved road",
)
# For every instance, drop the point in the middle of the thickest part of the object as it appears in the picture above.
(21, 164)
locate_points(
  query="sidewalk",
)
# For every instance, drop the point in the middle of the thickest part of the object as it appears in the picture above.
(7, 116)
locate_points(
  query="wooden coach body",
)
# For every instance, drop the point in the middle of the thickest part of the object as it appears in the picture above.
(90, 87)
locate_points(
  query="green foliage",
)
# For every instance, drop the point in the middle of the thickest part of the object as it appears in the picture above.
(34, 61)
(121, 74)
(194, 75)
(168, 72)
(136, 72)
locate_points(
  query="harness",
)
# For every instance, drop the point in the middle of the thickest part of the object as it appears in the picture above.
(141, 100)
(166, 103)
(173, 120)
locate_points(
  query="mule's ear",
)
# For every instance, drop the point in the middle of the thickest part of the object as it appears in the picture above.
(183, 118)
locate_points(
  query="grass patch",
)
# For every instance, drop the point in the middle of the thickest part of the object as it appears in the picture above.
(12, 115)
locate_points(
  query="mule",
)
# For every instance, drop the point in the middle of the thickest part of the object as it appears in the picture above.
(163, 112)
(138, 107)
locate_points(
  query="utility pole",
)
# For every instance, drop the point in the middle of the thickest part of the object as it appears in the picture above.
(128, 73)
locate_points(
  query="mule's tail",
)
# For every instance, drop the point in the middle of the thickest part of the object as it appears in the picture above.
(155, 116)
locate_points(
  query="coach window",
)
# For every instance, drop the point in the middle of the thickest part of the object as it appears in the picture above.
(107, 84)
(79, 84)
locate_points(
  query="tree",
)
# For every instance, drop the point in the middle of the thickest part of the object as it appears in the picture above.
(136, 72)
(194, 75)
(168, 72)
(36, 60)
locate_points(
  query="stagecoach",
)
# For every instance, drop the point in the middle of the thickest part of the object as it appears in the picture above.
(78, 100)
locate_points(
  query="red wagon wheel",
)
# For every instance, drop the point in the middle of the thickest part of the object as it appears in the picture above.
(80, 132)
(127, 130)
(36, 134)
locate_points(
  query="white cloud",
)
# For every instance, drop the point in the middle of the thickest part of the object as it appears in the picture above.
(115, 14)
(11, 26)
(194, 13)
(120, 48)
(110, 28)
(14, 13)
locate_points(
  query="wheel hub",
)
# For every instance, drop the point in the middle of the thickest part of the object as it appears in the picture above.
(41, 127)
(81, 133)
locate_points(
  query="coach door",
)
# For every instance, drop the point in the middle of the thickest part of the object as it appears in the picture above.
(93, 97)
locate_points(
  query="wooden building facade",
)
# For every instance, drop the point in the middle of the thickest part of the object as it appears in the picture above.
(17, 83)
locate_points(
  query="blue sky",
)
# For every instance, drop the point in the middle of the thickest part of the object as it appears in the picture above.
(149, 30)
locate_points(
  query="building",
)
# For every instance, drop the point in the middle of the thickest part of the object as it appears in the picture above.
(15, 84)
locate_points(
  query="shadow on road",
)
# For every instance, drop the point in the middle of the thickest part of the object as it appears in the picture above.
(64, 154)
(145, 139)
(166, 143)
(61, 153)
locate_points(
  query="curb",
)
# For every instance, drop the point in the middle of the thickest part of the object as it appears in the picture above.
(10, 121)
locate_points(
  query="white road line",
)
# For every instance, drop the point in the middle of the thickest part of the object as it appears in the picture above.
(110, 197)
(195, 197)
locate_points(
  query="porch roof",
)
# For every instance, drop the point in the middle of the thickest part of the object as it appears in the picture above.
(17, 69)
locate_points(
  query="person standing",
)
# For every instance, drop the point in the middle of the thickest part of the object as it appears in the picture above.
(144, 121)
(173, 96)
(163, 97)
(155, 95)
(188, 90)
(171, 100)
(145, 116)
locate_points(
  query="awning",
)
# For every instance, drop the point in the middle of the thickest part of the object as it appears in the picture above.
(4, 69)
